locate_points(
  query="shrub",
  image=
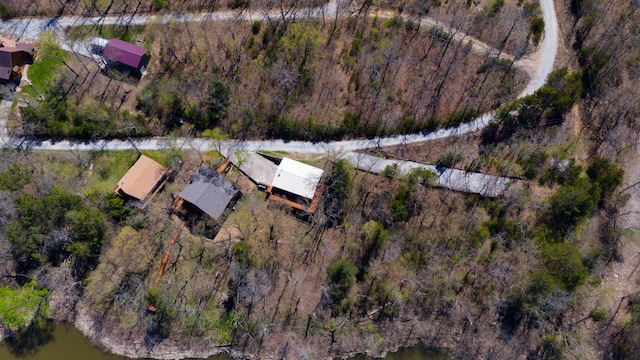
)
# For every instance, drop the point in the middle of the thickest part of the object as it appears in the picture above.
(532, 163)
(341, 275)
(464, 115)
(448, 159)
(607, 174)
(598, 315)
(87, 226)
(562, 172)
(242, 253)
(6, 11)
(494, 8)
(15, 177)
(23, 307)
(545, 107)
(399, 210)
(627, 341)
(569, 205)
(551, 348)
(214, 107)
(563, 261)
(163, 316)
(480, 234)
(390, 171)
(537, 27)
(392, 22)
(422, 176)
(159, 4)
(506, 229)
(64, 114)
(255, 27)
(404, 204)
(114, 207)
(541, 284)
(375, 239)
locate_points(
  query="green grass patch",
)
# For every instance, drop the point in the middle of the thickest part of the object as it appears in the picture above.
(126, 33)
(27, 93)
(65, 172)
(50, 57)
(224, 327)
(108, 169)
(214, 157)
(163, 157)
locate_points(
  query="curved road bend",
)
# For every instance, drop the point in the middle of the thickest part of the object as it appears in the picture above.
(546, 54)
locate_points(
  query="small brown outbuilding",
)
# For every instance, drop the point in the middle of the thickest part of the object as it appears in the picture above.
(141, 179)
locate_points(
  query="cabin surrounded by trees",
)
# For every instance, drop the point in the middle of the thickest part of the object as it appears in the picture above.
(141, 179)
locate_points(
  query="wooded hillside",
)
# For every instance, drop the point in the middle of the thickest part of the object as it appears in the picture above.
(548, 271)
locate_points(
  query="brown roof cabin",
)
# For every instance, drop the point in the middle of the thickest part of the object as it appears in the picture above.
(12, 60)
(141, 179)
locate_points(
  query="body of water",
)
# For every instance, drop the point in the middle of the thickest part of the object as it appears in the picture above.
(64, 342)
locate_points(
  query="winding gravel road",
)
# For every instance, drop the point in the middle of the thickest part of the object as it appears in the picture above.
(32, 28)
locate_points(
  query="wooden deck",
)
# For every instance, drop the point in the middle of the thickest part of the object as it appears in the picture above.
(316, 200)
(165, 259)
(311, 209)
(287, 202)
(223, 167)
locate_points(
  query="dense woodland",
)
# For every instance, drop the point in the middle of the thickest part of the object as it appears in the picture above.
(389, 260)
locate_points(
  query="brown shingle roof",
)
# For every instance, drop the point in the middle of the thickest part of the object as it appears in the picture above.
(141, 179)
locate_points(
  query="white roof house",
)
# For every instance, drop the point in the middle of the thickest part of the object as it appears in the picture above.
(297, 178)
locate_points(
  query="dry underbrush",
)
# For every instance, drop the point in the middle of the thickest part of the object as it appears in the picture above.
(266, 291)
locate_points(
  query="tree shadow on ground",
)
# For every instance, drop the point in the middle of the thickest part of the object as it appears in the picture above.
(29, 341)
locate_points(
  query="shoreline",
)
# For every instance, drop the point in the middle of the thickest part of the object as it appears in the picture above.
(170, 349)
(134, 346)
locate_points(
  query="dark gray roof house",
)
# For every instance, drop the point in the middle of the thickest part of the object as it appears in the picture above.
(209, 191)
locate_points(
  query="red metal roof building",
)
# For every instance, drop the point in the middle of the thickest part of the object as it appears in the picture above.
(118, 52)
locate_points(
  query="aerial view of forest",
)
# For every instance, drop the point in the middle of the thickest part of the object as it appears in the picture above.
(315, 179)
